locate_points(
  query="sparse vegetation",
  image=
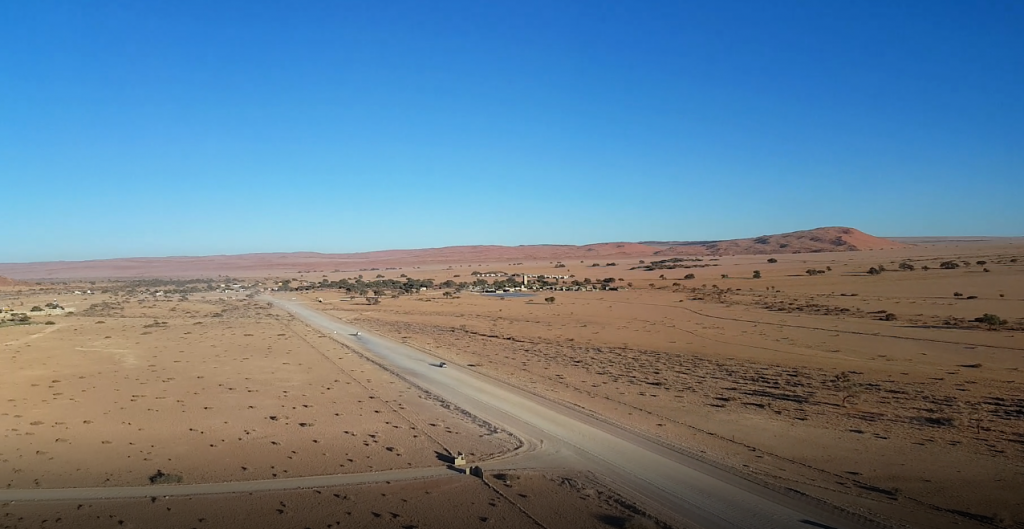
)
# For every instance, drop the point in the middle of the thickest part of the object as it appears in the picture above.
(757, 274)
(772, 260)
(906, 266)
(873, 271)
(162, 478)
(549, 300)
(949, 265)
(689, 276)
(991, 320)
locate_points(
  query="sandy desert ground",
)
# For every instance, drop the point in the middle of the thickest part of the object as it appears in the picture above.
(798, 379)
(519, 500)
(803, 381)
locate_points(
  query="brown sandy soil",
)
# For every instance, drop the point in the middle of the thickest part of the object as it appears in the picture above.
(831, 239)
(211, 389)
(920, 418)
(520, 500)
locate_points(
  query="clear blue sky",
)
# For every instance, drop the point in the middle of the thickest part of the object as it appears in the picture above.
(194, 127)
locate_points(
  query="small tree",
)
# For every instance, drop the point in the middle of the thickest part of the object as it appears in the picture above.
(550, 300)
(757, 274)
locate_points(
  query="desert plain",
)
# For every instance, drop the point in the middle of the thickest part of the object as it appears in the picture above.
(874, 393)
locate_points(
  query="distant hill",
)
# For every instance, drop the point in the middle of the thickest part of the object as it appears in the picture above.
(833, 239)
(248, 265)
(8, 282)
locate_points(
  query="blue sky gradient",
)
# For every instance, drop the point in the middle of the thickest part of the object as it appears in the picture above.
(185, 128)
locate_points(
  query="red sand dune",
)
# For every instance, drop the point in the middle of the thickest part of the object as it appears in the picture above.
(834, 239)
(817, 240)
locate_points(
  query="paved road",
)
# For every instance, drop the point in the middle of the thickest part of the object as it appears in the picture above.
(676, 487)
(667, 482)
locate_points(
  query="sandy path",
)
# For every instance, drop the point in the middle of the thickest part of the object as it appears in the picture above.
(96, 493)
(672, 484)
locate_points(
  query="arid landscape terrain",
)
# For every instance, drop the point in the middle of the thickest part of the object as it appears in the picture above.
(876, 376)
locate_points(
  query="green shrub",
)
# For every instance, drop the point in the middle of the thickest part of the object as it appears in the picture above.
(990, 319)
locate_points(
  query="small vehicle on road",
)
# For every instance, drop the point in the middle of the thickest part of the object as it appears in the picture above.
(442, 364)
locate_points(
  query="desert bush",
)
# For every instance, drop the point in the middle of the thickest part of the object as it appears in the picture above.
(926, 267)
(161, 478)
(662, 276)
(373, 300)
(972, 297)
(990, 319)
(985, 270)
(50, 322)
(828, 268)
(773, 260)
(981, 263)
(689, 276)
(36, 308)
(757, 274)
(949, 265)
(1014, 260)
(811, 272)
(907, 266)
(725, 276)
(889, 316)
(958, 294)
(873, 271)
(550, 300)
(1002, 295)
